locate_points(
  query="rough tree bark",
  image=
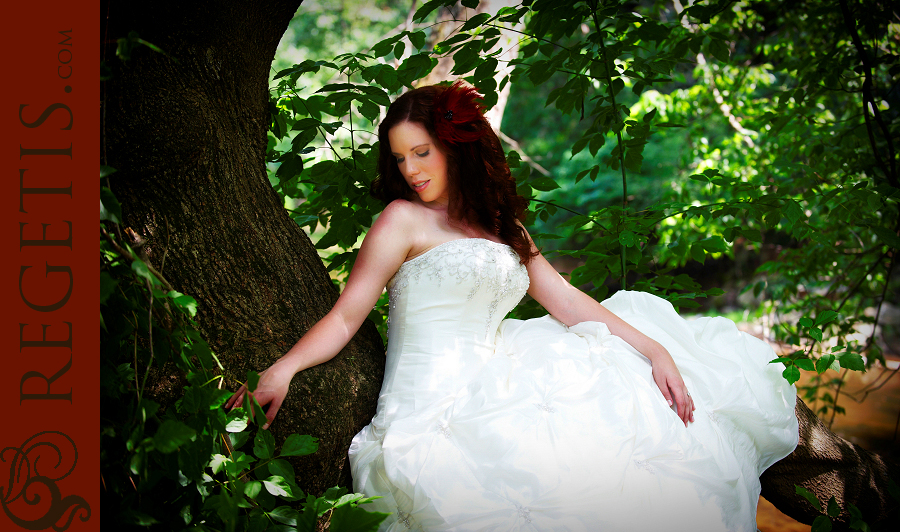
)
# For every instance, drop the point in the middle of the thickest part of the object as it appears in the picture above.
(830, 466)
(187, 134)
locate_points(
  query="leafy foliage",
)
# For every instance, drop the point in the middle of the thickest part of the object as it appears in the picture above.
(768, 128)
(193, 466)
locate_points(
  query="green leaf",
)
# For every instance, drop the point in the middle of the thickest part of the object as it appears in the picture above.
(297, 445)
(805, 364)
(719, 50)
(543, 183)
(263, 445)
(805, 322)
(698, 253)
(285, 514)
(826, 317)
(252, 380)
(417, 38)
(107, 286)
(809, 496)
(237, 420)
(106, 171)
(183, 301)
(171, 435)
(471, 4)
(824, 363)
(475, 21)
(282, 468)
(352, 518)
(628, 238)
(793, 211)
(713, 244)
(426, 9)
(816, 333)
(399, 48)
(887, 236)
(834, 509)
(791, 373)
(110, 209)
(277, 486)
(852, 361)
(140, 268)
(821, 524)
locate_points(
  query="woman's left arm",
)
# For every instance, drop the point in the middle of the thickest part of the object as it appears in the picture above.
(570, 306)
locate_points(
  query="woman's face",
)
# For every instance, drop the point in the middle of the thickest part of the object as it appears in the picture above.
(422, 164)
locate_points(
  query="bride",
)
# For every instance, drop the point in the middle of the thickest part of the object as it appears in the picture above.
(613, 416)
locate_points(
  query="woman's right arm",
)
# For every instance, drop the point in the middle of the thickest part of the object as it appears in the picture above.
(384, 249)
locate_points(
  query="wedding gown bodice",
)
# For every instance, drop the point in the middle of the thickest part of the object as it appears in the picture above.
(445, 306)
(485, 423)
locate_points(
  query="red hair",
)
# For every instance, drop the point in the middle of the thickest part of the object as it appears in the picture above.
(483, 190)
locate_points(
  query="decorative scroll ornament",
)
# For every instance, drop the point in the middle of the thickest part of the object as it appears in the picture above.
(34, 469)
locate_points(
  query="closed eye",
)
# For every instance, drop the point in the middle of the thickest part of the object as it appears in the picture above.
(424, 154)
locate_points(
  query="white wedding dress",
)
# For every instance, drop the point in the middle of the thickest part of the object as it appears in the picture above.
(492, 424)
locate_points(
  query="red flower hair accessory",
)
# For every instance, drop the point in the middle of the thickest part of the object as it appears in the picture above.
(458, 114)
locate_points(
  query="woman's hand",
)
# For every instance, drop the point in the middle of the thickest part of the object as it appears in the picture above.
(271, 390)
(670, 383)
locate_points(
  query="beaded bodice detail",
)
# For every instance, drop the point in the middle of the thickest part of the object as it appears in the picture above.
(482, 278)
(445, 308)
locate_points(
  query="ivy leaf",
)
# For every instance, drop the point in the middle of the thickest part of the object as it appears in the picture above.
(285, 514)
(417, 38)
(805, 364)
(278, 487)
(821, 524)
(263, 445)
(171, 435)
(826, 317)
(110, 209)
(252, 380)
(791, 373)
(834, 509)
(809, 496)
(793, 212)
(697, 252)
(299, 445)
(237, 420)
(351, 517)
(140, 268)
(852, 361)
(824, 363)
(475, 21)
(627, 238)
(183, 301)
(282, 468)
(719, 50)
(107, 286)
(887, 236)
(426, 9)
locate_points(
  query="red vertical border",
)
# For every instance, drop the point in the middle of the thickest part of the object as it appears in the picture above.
(49, 282)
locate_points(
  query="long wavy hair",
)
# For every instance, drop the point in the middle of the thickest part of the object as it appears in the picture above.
(482, 189)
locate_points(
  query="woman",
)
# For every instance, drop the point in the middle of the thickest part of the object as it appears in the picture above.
(579, 420)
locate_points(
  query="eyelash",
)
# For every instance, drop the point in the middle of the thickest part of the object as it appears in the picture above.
(421, 155)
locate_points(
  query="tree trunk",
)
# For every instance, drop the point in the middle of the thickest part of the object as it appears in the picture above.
(187, 133)
(830, 466)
